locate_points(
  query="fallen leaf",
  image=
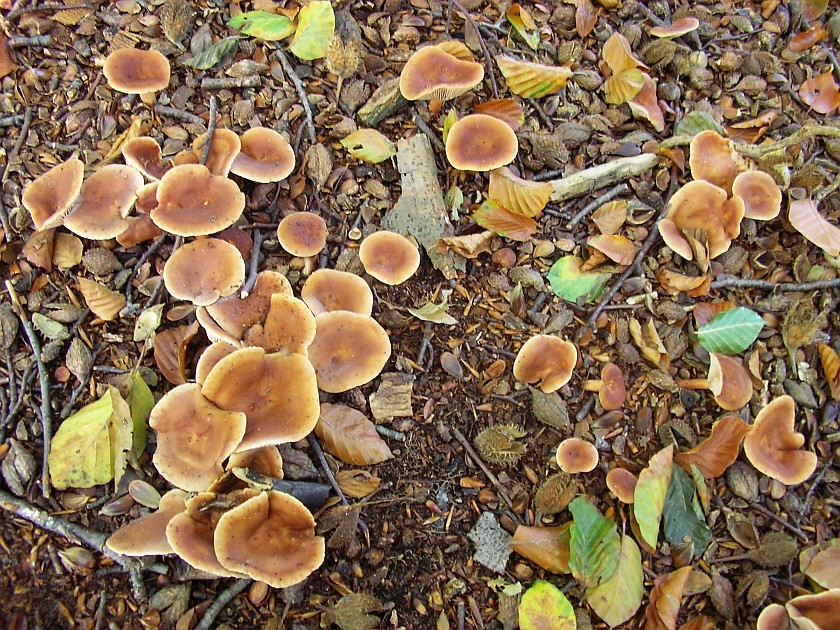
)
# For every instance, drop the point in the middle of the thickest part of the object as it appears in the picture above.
(610, 216)
(717, 452)
(664, 605)
(825, 567)
(436, 313)
(704, 312)
(357, 483)
(469, 245)
(523, 24)
(7, 63)
(506, 109)
(67, 250)
(102, 301)
(618, 598)
(547, 547)
(619, 55)
(675, 283)
(369, 146)
(831, 366)
(350, 436)
(213, 55)
(492, 216)
(570, 283)
(619, 249)
(171, 352)
(806, 218)
(533, 80)
(649, 343)
(683, 520)
(646, 104)
(731, 331)
(624, 86)
(812, 9)
(544, 607)
(315, 30)
(649, 495)
(140, 399)
(268, 26)
(699, 623)
(586, 17)
(807, 39)
(820, 93)
(594, 544)
(351, 612)
(518, 195)
(678, 27)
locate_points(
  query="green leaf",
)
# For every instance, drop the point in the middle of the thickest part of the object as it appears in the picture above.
(683, 517)
(90, 447)
(437, 313)
(264, 25)
(369, 145)
(316, 26)
(521, 20)
(695, 122)
(594, 544)
(451, 118)
(650, 493)
(213, 55)
(731, 332)
(618, 598)
(140, 401)
(569, 283)
(544, 607)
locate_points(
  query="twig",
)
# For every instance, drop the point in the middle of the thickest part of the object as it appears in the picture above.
(130, 307)
(480, 463)
(488, 60)
(138, 588)
(756, 152)
(229, 83)
(253, 266)
(752, 283)
(814, 485)
(54, 524)
(24, 131)
(589, 180)
(311, 494)
(430, 134)
(224, 598)
(177, 114)
(36, 40)
(211, 130)
(597, 203)
(828, 190)
(301, 90)
(46, 6)
(388, 432)
(793, 528)
(319, 452)
(44, 382)
(99, 617)
(11, 121)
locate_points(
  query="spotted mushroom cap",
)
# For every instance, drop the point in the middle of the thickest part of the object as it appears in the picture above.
(50, 197)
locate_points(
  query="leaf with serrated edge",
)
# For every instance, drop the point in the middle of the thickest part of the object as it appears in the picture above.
(649, 495)
(533, 80)
(213, 55)
(594, 544)
(369, 145)
(350, 436)
(717, 452)
(664, 605)
(544, 607)
(263, 25)
(316, 26)
(547, 547)
(618, 598)
(731, 331)
(105, 303)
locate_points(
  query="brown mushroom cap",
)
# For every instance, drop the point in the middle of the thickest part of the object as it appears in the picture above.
(104, 201)
(194, 202)
(331, 290)
(277, 392)
(135, 71)
(774, 617)
(545, 359)
(223, 151)
(265, 157)
(611, 389)
(146, 536)
(270, 537)
(576, 456)
(211, 355)
(50, 197)
(432, 73)
(729, 381)
(774, 448)
(194, 437)
(622, 483)
(302, 234)
(389, 257)
(349, 350)
(762, 196)
(700, 205)
(265, 460)
(710, 159)
(204, 270)
(143, 153)
(479, 142)
(678, 27)
(289, 327)
(674, 239)
(820, 611)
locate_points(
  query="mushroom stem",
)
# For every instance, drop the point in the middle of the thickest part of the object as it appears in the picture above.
(592, 386)
(694, 383)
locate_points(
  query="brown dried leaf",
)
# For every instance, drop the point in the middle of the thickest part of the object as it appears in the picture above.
(468, 246)
(7, 63)
(806, 218)
(609, 217)
(811, 37)
(619, 249)
(646, 105)
(546, 546)
(586, 17)
(518, 195)
(171, 352)
(39, 248)
(342, 520)
(699, 623)
(105, 303)
(824, 569)
(357, 483)
(507, 110)
(350, 436)
(675, 283)
(717, 452)
(619, 56)
(821, 93)
(351, 612)
(67, 250)
(649, 343)
(664, 606)
(831, 366)
(704, 312)
(492, 216)
(533, 80)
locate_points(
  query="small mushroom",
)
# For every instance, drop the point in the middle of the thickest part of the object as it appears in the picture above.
(146, 536)
(576, 456)
(611, 389)
(431, 73)
(50, 197)
(135, 71)
(773, 617)
(545, 359)
(762, 196)
(302, 234)
(204, 270)
(712, 159)
(774, 448)
(389, 257)
(288, 327)
(479, 142)
(143, 153)
(104, 201)
(728, 381)
(349, 350)
(265, 156)
(223, 150)
(622, 483)
(820, 611)
(331, 290)
(270, 537)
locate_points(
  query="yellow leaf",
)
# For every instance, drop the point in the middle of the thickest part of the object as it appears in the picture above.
(518, 195)
(533, 80)
(618, 55)
(104, 303)
(623, 87)
(369, 145)
(316, 26)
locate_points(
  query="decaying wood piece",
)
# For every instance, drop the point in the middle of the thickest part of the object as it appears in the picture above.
(393, 397)
(591, 179)
(420, 210)
(386, 100)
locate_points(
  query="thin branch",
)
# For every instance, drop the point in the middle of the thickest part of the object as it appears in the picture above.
(488, 60)
(430, 134)
(224, 598)
(177, 114)
(319, 452)
(597, 203)
(301, 90)
(211, 130)
(130, 307)
(751, 283)
(756, 152)
(480, 463)
(254, 265)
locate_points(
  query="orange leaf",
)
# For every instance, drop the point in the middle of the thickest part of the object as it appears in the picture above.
(699, 623)
(812, 9)
(586, 16)
(645, 105)
(821, 93)
(171, 352)
(678, 27)
(831, 367)
(505, 109)
(610, 217)
(718, 451)
(619, 249)
(806, 218)
(105, 303)
(765, 119)
(809, 38)
(664, 606)
(468, 246)
(492, 216)
(518, 195)
(7, 63)
(619, 56)
(675, 283)
(532, 80)
(704, 312)
(357, 483)
(649, 343)
(546, 546)
(350, 436)
(677, 156)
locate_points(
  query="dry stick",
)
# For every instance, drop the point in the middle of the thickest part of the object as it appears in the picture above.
(177, 114)
(254, 264)
(597, 203)
(793, 528)
(589, 180)
(229, 83)
(480, 463)
(750, 283)
(319, 452)
(18, 10)
(301, 90)
(488, 60)
(44, 382)
(756, 152)
(24, 131)
(224, 598)
(37, 40)
(430, 134)
(130, 307)
(211, 130)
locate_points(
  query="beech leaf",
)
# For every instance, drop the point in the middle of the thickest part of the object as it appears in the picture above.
(831, 366)
(824, 569)
(717, 452)
(505, 109)
(594, 544)
(664, 605)
(171, 352)
(683, 518)
(546, 546)
(492, 216)
(544, 607)
(524, 24)
(105, 303)
(436, 313)
(806, 218)
(571, 284)
(262, 24)
(369, 145)
(350, 436)
(618, 598)
(140, 401)
(213, 55)
(646, 105)
(518, 195)
(812, 9)
(315, 30)
(586, 16)
(650, 493)
(731, 331)
(533, 80)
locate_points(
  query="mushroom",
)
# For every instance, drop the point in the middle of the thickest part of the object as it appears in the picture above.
(146, 536)
(265, 156)
(545, 359)
(728, 381)
(270, 537)
(211, 355)
(774, 448)
(302, 234)
(761, 195)
(194, 202)
(223, 150)
(143, 153)
(389, 257)
(479, 142)
(50, 197)
(194, 437)
(265, 460)
(611, 389)
(700, 205)
(576, 456)
(104, 201)
(431, 73)
(349, 350)
(204, 270)
(331, 290)
(820, 611)
(774, 617)
(622, 483)
(678, 27)
(135, 71)
(277, 392)
(289, 327)
(712, 159)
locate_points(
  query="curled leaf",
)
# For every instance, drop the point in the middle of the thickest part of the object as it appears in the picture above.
(533, 80)
(518, 195)
(664, 606)
(646, 105)
(649, 495)
(806, 218)
(717, 452)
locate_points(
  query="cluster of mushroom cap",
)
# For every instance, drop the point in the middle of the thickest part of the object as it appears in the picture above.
(814, 612)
